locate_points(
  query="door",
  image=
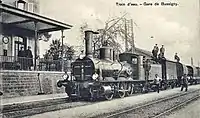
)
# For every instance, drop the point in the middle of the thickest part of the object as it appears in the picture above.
(19, 42)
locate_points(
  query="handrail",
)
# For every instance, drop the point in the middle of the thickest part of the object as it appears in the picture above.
(24, 63)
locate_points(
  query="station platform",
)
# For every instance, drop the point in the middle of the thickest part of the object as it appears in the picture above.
(30, 99)
(110, 106)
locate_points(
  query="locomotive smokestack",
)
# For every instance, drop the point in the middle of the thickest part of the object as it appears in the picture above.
(89, 36)
(88, 43)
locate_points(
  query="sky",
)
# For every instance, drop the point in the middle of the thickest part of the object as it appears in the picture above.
(176, 27)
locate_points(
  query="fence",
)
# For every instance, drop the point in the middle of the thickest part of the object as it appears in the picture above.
(22, 63)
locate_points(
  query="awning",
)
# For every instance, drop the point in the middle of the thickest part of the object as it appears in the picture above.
(21, 21)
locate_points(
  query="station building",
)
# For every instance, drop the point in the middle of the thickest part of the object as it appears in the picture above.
(23, 26)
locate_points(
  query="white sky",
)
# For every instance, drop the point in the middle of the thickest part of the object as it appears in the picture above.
(176, 27)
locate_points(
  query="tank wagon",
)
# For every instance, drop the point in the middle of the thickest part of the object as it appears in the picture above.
(119, 75)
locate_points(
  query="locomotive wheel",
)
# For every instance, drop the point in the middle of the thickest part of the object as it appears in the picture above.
(109, 96)
(121, 93)
(130, 88)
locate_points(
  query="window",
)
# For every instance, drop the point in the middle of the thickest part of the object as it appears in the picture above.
(19, 42)
(5, 52)
(20, 4)
(30, 7)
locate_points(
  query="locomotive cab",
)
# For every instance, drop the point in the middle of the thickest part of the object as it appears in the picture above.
(133, 60)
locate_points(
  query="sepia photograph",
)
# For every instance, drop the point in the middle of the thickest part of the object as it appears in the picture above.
(99, 59)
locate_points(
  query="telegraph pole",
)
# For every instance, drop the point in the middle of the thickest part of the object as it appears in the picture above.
(191, 61)
(132, 36)
(126, 38)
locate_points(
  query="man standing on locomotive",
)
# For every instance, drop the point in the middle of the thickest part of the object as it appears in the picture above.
(184, 82)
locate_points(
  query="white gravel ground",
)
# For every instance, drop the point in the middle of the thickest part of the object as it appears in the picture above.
(190, 111)
(109, 106)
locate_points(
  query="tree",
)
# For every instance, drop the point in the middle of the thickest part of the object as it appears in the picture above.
(68, 52)
(115, 31)
(55, 50)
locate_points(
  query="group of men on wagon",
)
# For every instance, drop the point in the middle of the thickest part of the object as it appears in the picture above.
(159, 56)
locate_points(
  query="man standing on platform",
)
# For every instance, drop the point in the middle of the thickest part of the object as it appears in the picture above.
(157, 81)
(29, 56)
(184, 82)
(21, 58)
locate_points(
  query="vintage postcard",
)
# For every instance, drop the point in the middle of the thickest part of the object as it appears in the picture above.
(100, 58)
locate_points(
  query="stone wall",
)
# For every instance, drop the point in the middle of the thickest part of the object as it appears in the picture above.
(27, 83)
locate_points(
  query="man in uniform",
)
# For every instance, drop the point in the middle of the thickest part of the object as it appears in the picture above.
(184, 83)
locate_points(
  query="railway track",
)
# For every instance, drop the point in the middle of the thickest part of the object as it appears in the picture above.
(31, 108)
(162, 114)
(155, 109)
(38, 107)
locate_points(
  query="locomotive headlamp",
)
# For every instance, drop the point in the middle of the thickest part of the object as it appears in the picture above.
(95, 76)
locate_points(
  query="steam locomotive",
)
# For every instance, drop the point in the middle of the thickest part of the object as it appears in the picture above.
(120, 75)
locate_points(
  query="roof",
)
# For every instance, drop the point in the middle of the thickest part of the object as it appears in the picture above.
(21, 19)
(143, 52)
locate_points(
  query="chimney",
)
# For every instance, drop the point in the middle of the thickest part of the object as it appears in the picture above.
(88, 43)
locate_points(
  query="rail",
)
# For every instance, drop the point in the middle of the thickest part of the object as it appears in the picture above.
(117, 114)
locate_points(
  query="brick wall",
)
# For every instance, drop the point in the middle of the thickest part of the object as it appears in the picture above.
(26, 83)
